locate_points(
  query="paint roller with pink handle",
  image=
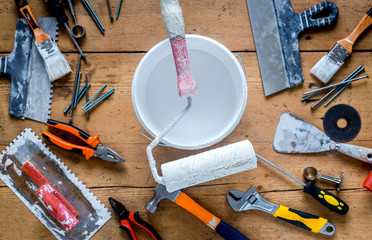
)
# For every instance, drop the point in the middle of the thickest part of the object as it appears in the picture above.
(173, 19)
(206, 166)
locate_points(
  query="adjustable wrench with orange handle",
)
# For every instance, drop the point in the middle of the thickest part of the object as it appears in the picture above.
(183, 200)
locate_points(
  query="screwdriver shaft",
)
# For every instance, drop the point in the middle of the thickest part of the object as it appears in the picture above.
(273, 165)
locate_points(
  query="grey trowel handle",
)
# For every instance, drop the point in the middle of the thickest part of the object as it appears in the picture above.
(307, 18)
(361, 153)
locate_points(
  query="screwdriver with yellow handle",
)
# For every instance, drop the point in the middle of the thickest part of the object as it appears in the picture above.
(251, 199)
(326, 198)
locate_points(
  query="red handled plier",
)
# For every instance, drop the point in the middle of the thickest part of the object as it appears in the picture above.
(95, 149)
(126, 217)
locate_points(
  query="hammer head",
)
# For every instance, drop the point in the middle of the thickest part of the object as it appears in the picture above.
(160, 194)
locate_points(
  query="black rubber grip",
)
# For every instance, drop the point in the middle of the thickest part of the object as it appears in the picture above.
(20, 3)
(56, 8)
(76, 150)
(298, 223)
(140, 222)
(81, 132)
(128, 231)
(228, 232)
(326, 198)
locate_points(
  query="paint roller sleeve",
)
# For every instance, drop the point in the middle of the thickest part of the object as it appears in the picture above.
(210, 165)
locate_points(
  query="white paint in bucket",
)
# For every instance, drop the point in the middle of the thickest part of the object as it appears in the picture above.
(216, 110)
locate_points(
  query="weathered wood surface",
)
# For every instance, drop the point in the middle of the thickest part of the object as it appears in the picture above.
(113, 58)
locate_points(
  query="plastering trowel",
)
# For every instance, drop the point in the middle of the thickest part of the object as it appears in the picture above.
(48, 188)
(294, 135)
(30, 88)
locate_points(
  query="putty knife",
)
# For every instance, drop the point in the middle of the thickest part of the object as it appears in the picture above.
(294, 135)
(276, 29)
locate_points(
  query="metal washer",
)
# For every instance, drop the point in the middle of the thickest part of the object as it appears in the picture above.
(353, 123)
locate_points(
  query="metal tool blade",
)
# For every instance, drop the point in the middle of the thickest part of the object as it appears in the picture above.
(39, 92)
(276, 68)
(266, 38)
(294, 135)
(28, 147)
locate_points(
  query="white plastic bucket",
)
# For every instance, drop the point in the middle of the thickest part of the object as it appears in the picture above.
(216, 110)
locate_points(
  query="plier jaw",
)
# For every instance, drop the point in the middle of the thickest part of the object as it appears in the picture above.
(126, 217)
(119, 209)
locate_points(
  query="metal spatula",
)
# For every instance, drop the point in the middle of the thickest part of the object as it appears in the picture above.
(294, 135)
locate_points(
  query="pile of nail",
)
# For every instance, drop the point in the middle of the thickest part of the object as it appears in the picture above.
(338, 88)
(78, 94)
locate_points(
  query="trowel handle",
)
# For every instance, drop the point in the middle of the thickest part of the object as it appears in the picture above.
(361, 153)
(307, 18)
(222, 228)
(329, 200)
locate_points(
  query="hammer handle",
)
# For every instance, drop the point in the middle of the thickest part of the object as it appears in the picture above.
(222, 228)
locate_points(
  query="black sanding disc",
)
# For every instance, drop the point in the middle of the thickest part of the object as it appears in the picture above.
(350, 115)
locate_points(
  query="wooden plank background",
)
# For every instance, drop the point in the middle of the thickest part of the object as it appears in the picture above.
(113, 58)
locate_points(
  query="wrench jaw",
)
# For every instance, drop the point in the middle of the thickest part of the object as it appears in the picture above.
(251, 199)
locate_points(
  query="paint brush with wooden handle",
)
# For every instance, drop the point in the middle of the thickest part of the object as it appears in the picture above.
(55, 62)
(329, 64)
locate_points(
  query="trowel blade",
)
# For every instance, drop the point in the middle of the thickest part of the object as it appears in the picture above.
(39, 93)
(294, 135)
(29, 147)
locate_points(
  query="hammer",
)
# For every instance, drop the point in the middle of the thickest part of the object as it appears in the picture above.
(183, 200)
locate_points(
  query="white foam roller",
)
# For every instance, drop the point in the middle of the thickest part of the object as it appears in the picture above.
(210, 165)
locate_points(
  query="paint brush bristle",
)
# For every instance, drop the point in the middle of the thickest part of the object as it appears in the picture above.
(329, 64)
(55, 62)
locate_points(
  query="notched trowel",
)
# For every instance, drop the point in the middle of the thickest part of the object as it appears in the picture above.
(48, 188)
(30, 88)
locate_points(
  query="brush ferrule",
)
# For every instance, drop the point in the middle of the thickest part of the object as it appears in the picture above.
(338, 54)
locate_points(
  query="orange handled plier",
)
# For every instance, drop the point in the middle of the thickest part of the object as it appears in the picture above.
(95, 149)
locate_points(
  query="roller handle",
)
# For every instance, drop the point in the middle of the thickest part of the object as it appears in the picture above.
(300, 219)
(91, 141)
(135, 218)
(88, 152)
(361, 153)
(57, 10)
(308, 20)
(222, 228)
(326, 198)
(364, 23)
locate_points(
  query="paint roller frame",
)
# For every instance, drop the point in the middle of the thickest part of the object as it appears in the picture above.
(203, 167)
